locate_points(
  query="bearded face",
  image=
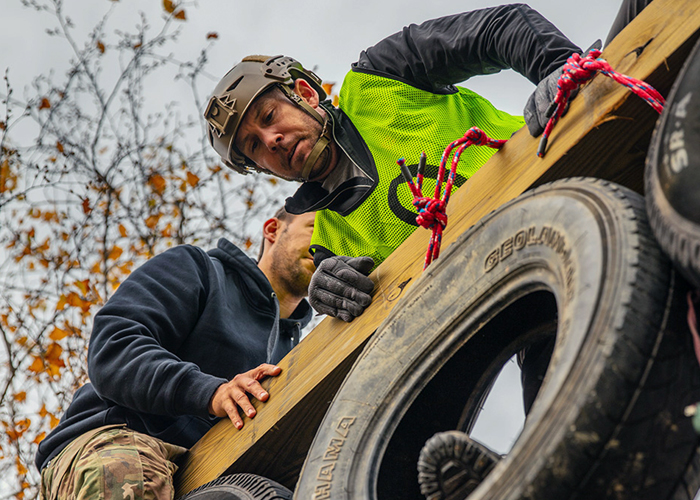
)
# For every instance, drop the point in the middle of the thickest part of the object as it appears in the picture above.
(291, 261)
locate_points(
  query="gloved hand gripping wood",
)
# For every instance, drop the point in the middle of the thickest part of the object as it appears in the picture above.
(538, 108)
(340, 286)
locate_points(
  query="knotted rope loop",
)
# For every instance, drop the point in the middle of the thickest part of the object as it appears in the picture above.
(432, 211)
(579, 70)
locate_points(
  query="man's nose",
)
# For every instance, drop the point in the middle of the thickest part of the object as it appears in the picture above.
(272, 140)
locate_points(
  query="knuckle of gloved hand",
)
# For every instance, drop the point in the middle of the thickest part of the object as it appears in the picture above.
(326, 281)
(328, 265)
(353, 308)
(323, 308)
(345, 316)
(323, 296)
(344, 273)
(363, 299)
(366, 285)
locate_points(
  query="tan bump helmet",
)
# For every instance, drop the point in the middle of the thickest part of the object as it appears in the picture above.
(237, 90)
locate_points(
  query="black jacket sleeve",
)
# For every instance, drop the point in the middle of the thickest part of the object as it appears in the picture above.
(448, 50)
(132, 358)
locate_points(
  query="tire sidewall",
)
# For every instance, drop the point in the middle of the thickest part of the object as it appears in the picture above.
(563, 238)
(675, 168)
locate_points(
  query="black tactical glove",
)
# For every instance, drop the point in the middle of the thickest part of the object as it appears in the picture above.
(340, 286)
(535, 112)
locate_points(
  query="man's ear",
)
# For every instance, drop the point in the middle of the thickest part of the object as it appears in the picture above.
(271, 230)
(306, 92)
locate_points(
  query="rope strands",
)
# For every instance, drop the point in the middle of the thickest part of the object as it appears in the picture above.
(579, 70)
(432, 211)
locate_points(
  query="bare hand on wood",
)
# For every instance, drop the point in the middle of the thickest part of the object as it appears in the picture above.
(234, 394)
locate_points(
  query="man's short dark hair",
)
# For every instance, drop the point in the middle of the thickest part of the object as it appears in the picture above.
(281, 215)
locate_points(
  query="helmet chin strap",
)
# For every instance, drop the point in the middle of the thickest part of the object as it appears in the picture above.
(324, 139)
(321, 146)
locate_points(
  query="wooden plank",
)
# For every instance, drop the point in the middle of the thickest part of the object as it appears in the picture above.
(605, 135)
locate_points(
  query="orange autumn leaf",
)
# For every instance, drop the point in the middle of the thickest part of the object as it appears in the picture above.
(54, 370)
(169, 6)
(53, 422)
(100, 47)
(126, 267)
(58, 334)
(157, 182)
(12, 434)
(210, 35)
(115, 253)
(20, 396)
(17, 430)
(53, 354)
(152, 221)
(180, 14)
(8, 180)
(328, 87)
(122, 231)
(39, 438)
(248, 243)
(59, 146)
(86, 206)
(37, 365)
(45, 103)
(192, 179)
(83, 285)
(50, 216)
(61, 304)
(76, 301)
(21, 470)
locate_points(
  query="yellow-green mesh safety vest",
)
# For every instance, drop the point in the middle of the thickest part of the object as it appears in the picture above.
(397, 120)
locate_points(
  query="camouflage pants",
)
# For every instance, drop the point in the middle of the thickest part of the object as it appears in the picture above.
(113, 463)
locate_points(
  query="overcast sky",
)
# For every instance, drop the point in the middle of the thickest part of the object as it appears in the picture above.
(327, 35)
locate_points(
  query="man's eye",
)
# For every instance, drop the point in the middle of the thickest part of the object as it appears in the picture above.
(268, 117)
(254, 146)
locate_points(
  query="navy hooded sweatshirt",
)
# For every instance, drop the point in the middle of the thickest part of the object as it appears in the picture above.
(182, 324)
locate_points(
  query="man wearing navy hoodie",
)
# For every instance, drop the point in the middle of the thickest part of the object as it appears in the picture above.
(184, 341)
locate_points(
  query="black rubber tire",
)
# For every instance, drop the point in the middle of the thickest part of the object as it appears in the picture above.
(672, 174)
(608, 420)
(240, 487)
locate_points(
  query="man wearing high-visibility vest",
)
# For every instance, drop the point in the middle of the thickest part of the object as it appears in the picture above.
(269, 114)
